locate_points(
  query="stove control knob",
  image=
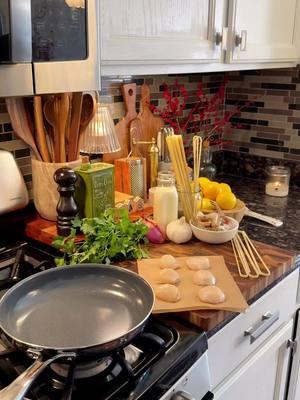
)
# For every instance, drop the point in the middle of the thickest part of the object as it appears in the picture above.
(182, 396)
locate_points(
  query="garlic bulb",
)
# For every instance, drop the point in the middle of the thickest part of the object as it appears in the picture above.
(179, 231)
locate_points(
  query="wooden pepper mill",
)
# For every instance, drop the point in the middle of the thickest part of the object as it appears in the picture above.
(66, 207)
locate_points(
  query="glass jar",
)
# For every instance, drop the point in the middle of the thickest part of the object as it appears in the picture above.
(165, 202)
(207, 168)
(278, 180)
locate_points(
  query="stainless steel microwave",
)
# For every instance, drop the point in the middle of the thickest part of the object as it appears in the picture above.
(48, 46)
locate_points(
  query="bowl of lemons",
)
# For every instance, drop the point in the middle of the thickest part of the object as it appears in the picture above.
(221, 193)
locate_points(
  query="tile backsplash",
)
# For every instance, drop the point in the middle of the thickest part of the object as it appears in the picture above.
(266, 129)
(270, 125)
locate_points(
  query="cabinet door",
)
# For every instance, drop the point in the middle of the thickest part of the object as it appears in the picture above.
(263, 375)
(263, 30)
(294, 383)
(160, 31)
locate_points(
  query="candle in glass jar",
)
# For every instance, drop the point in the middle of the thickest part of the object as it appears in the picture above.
(277, 189)
(278, 178)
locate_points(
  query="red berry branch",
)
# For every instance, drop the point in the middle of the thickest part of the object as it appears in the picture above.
(207, 117)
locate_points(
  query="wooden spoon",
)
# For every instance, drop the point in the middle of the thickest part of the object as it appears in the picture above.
(16, 109)
(40, 129)
(87, 114)
(75, 126)
(62, 108)
(51, 119)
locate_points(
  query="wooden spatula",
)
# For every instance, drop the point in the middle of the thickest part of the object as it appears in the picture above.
(50, 117)
(62, 107)
(16, 109)
(76, 107)
(40, 129)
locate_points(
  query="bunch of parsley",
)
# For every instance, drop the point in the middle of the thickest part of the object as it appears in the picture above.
(110, 237)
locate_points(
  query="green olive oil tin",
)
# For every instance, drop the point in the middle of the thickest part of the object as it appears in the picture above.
(95, 189)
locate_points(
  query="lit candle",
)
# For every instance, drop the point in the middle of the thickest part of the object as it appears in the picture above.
(278, 178)
(277, 189)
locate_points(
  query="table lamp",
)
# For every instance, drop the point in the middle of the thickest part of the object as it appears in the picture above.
(100, 136)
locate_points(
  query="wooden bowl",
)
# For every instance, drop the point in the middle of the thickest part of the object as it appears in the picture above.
(237, 213)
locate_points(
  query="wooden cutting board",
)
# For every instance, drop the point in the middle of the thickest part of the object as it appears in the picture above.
(149, 269)
(144, 128)
(122, 127)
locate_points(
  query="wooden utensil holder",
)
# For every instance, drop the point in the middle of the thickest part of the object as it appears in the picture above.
(45, 194)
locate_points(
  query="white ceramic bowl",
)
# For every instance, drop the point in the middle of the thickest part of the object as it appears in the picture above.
(215, 237)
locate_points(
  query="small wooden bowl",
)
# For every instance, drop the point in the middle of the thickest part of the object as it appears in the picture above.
(237, 213)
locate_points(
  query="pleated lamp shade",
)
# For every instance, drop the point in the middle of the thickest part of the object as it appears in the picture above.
(100, 136)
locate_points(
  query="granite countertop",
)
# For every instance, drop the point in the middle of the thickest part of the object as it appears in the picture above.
(287, 209)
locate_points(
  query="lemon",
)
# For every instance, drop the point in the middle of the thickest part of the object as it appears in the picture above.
(203, 181)
(206, 204)
(211, 190)
(224, 187)
(226, 200)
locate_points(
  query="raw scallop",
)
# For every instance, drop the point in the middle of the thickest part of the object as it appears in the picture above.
(197, 263)
(204, 278)
(168, 261)
(168, 293)
(169, 275)
(211, 295)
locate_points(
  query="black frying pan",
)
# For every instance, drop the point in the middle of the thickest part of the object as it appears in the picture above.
(77, 311)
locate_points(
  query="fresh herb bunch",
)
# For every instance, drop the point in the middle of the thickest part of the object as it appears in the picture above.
(110, 237)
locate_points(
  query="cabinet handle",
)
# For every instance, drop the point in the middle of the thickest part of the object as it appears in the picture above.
(218, 38)
(241, 40)
(268, 319)
(182, 396)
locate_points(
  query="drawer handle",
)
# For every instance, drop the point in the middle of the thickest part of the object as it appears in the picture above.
(268, 319)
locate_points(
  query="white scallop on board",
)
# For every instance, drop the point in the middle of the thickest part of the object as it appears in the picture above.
(149, 269)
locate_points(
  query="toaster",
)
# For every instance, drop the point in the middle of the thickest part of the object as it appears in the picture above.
(13, 191)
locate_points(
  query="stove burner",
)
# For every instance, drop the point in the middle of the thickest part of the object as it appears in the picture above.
(83, 370)
(156, 358)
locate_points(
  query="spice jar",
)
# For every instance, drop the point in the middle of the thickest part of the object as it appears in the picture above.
(165, 202)
(278, 179)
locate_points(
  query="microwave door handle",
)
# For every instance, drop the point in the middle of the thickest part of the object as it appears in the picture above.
(21, 30)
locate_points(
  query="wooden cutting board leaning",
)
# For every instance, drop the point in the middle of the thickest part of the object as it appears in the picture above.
(143, 128)
(122, 127)
(149, 269)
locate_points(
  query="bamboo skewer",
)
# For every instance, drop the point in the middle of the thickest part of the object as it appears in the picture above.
(267, 273)
(247, 257)
(243, 275)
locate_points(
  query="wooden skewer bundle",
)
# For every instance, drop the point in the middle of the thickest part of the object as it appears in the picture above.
(249, 262)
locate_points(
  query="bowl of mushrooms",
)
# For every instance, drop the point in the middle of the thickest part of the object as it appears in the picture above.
(214, 228)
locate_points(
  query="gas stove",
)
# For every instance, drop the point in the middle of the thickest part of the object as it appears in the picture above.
(167, 359)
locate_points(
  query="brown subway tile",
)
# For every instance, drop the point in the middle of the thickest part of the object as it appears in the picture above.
(275, 111)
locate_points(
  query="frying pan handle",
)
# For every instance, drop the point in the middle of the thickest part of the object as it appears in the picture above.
(18, 388)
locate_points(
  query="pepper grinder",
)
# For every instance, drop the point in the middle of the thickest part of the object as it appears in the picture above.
(66, 208)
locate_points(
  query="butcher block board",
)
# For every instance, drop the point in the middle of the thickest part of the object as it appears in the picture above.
(150, 269)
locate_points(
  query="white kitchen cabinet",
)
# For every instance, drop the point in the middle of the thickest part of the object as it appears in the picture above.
(186, 36)
(262, 31)
(263, 375)
(160, 31)
(230, 347)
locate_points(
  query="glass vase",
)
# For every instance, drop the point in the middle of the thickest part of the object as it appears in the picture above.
(208, 169)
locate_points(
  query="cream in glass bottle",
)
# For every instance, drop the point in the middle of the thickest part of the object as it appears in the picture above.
(165, 202)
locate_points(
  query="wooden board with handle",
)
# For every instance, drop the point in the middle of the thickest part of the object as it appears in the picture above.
(143, 128)
(122, 127)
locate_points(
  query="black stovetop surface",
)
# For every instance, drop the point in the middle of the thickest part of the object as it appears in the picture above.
(146, 369)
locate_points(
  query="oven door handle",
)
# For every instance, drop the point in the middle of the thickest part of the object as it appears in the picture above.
(181, 395)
